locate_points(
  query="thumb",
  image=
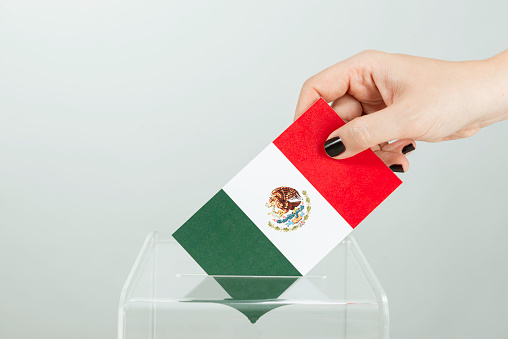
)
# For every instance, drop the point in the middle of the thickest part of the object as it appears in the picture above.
(364, 132)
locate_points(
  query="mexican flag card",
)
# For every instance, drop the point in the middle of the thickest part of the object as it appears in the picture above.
(289, 207)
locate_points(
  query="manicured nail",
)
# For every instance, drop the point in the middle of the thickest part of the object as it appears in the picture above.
(408, 148)
(334, 147)
(397, 168)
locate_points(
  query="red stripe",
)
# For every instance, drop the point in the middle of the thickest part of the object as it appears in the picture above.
(353, 186)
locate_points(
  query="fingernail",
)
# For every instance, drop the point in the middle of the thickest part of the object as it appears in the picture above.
(334, 147)
(408, 148)
(397, 168)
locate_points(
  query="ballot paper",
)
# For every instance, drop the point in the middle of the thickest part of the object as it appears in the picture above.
(289, 207)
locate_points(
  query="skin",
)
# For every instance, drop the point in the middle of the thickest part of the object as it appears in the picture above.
(384, 97)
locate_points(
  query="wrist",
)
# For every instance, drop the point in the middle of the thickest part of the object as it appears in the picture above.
(496, 89)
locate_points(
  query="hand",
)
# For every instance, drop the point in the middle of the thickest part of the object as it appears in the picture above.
(413, 98)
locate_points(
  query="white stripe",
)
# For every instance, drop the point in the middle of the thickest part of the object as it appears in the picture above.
(304, 247)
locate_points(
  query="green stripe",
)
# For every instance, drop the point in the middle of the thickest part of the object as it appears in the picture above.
(240, 288)
(224, 241)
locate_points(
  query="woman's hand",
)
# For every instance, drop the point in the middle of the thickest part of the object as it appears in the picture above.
(413, 98)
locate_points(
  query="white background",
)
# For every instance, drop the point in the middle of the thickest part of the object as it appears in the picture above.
(122, 117)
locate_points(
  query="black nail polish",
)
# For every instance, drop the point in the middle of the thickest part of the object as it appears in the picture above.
(397, 168)
(408, 148)
(334, 147)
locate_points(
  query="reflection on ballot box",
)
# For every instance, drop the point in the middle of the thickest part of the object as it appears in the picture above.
(168, 295)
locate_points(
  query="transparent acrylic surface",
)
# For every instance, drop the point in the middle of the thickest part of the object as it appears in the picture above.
(168, 295)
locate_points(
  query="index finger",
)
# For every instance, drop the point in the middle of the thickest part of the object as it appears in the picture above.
(329, 84)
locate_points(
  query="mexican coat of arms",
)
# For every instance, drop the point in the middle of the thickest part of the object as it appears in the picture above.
(290, 209)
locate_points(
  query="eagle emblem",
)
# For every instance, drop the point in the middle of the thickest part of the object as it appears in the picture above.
(289, 209)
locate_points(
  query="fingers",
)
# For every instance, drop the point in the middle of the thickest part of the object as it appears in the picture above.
(403, 146)
(394, 154)
(347, 107)
(335, 81)
(364, 132)
(329, 84)
(395, 160)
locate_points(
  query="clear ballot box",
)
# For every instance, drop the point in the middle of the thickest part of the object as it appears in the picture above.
(168, 295)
